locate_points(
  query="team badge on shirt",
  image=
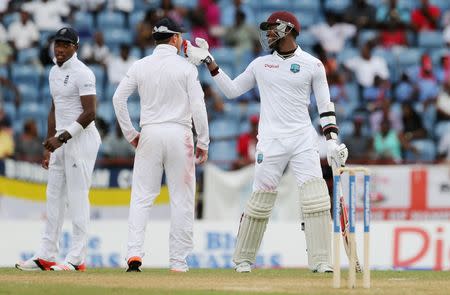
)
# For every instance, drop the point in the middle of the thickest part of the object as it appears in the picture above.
(295, 68)
(66, 80)
(259, 158)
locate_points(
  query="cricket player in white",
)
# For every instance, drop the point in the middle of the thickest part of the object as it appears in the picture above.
(171, 96)
(71, 150)
(285, 136)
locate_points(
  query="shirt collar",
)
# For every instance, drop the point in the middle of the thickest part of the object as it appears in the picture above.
(297, 52)
(68, 62)
(166, 48)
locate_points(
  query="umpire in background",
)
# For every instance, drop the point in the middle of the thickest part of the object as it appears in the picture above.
(71, 150)
(171, 97)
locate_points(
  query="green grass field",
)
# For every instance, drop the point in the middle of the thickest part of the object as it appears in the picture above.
(217, 281)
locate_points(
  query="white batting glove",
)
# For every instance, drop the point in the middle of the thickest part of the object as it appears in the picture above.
(337, 154)
(197, 55)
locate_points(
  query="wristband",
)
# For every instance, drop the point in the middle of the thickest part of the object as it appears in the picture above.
(74, 128)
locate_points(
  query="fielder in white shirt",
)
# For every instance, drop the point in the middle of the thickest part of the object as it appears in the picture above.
(71, 150)
(171, 97)
(285, 136)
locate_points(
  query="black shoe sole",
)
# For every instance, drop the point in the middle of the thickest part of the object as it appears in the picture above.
(133, 266)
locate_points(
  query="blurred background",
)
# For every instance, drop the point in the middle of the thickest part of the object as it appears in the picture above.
(388, 69)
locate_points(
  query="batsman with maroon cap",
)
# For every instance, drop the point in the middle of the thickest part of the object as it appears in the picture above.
(286, 135)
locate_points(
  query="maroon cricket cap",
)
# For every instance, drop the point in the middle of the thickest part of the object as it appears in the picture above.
(278, 16)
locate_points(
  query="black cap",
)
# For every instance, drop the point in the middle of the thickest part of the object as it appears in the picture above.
(165, 28)
(67, 35)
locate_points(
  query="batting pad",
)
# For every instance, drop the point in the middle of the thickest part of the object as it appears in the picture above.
(253, 225)
(315, 207)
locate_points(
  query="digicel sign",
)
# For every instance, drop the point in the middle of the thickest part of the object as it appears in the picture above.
(416, 246)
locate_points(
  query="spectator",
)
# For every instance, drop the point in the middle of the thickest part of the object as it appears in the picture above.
(229, 13)
(338, 95)
(328, 60)
(405, 90)
(116, 146)
(366, 66)
(241, 36)
(443, 72)
(23, 33)
(97, 53)
(214, 103)
(412, 127)
(359, 145)
(212, 17)
(426, 17)
(94, 7)
(3, 32)
(4, 6)
(168, 9)
(6, 136)
(443, 103)
(376, 94)
(46, 52)
(246, 145)
(47, 14)
(124, 6)
(387, 144)
(102, 126)
(144, 30)
(393, 22)
(199, 26)
(118, 65)
(426, 80)
(360, 13)
(444, 148)
(331, 34)
(28, 144)
(382, 112)
(446, 35)
(6, 52)
(7, 87)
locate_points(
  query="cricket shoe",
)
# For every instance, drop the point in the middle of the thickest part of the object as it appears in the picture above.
(179, 267)
(323, 268)
(243, 267)
(35, 264)
(134, 264)
(68, 267)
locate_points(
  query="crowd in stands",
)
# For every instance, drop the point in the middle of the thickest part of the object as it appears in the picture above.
(387, 63)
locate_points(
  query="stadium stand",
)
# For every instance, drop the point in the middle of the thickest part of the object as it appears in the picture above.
(25, 70)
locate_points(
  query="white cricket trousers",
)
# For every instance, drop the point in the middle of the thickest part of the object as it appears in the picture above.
(300, 152)
(69, 180)
(168, 147)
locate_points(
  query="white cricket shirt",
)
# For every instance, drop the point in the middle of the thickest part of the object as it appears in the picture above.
(285, 86)
(169, 91)
(67, 83)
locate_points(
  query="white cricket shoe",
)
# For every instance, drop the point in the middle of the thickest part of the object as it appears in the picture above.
(35, 264)
(179, 267)
(243, 267)
(323, 268)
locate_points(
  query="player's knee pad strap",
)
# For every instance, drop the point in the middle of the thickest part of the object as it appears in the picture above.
(253, 225)
(315, 206)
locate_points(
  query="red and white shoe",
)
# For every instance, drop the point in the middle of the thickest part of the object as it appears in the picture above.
(68, 267)
(35, 264)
